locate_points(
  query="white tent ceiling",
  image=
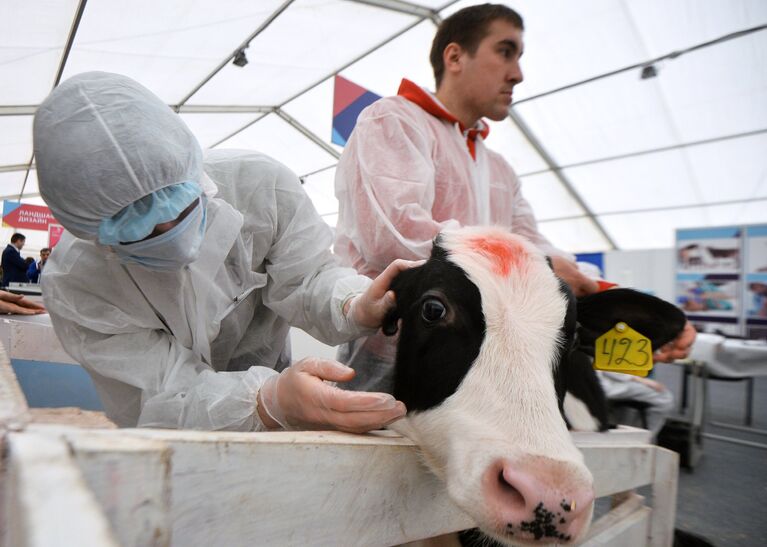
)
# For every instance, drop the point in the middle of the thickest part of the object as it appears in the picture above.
(615, 162)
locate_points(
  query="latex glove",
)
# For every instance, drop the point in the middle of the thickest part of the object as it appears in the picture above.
(298, 398)
(568, 271)
(679, 347)
(16, 303)
(369, 308)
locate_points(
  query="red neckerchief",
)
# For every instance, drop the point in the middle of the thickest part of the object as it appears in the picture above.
(415, 94)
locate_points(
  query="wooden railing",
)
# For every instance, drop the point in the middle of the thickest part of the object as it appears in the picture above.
(64, 485)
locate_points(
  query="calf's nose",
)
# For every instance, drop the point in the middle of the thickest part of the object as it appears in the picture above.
(538, 499)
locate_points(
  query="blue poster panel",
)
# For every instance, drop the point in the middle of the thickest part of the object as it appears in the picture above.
(755, 282)
(709, 264)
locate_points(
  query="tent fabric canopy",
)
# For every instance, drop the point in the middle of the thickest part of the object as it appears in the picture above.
(615, 162)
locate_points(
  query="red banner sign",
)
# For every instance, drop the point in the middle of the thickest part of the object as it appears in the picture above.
(24, 216)
(54, 234)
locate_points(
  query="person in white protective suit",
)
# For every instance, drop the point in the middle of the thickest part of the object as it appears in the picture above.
(658, 399)
(417, 164)
(177, 278)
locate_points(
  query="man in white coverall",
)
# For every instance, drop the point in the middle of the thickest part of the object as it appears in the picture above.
(416, 164)
(177, 278)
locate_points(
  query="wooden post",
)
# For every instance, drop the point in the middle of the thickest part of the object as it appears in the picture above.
(664, 492)
(46, 498)
(14, 413)
(130, 477)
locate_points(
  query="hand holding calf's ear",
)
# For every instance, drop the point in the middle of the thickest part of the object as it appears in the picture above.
(369, 308)
(568, 271)
(679, 347)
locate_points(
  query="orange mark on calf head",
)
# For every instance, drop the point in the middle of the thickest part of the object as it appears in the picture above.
(505, 254)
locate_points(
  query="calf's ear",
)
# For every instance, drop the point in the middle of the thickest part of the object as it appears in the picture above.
(656, 319)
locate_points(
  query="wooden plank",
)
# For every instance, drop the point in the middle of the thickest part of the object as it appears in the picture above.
(36, 341)
(319, 488)
(352, 494)
(629, 530)
(664, 492)
(619, 468)
(622, 435)
(130, 477)
(47, 500)
(14, 412)
(4, 490)
(602, 527)
(298, 488)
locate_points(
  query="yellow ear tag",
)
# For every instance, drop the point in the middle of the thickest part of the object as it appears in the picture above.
(622, 349)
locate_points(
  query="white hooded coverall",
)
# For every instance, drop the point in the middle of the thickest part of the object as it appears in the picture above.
(185, 349)
(409, 171)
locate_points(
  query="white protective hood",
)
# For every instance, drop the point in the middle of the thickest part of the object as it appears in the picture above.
(98, 126)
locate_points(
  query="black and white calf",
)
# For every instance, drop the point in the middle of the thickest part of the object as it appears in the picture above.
(486, 332)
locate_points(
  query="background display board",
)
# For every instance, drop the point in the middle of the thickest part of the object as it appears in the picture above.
(721, 278)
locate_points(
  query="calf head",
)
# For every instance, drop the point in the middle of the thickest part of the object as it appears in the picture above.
(482, 330)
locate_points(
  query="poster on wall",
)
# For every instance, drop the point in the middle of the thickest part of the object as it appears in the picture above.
(721, 280)
(709, 294)
(755, 284)
(709, 264)
(712, 250)
(756, 249)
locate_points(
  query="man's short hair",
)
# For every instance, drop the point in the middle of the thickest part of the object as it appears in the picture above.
(467, 28)
(45, 250)
(17, 236)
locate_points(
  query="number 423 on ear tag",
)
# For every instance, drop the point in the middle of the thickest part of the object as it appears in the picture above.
(622, 349)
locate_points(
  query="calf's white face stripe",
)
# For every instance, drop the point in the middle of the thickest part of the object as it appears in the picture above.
(506, 406)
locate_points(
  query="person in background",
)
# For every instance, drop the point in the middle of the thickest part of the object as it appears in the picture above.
(658, 399)
(416, 164)
(14, 267)
(36, 268)
(28, 261)
(177, 278)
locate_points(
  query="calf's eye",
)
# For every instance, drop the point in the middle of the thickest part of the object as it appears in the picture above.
(433, 310)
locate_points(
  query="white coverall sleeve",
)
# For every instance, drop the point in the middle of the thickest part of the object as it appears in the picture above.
(386, 180)
(176, 389)
(307, 286)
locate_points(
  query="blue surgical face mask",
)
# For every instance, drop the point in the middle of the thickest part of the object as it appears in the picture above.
(171, 251)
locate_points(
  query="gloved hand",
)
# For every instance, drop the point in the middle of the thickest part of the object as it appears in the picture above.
(369, 308)
(298, 398)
